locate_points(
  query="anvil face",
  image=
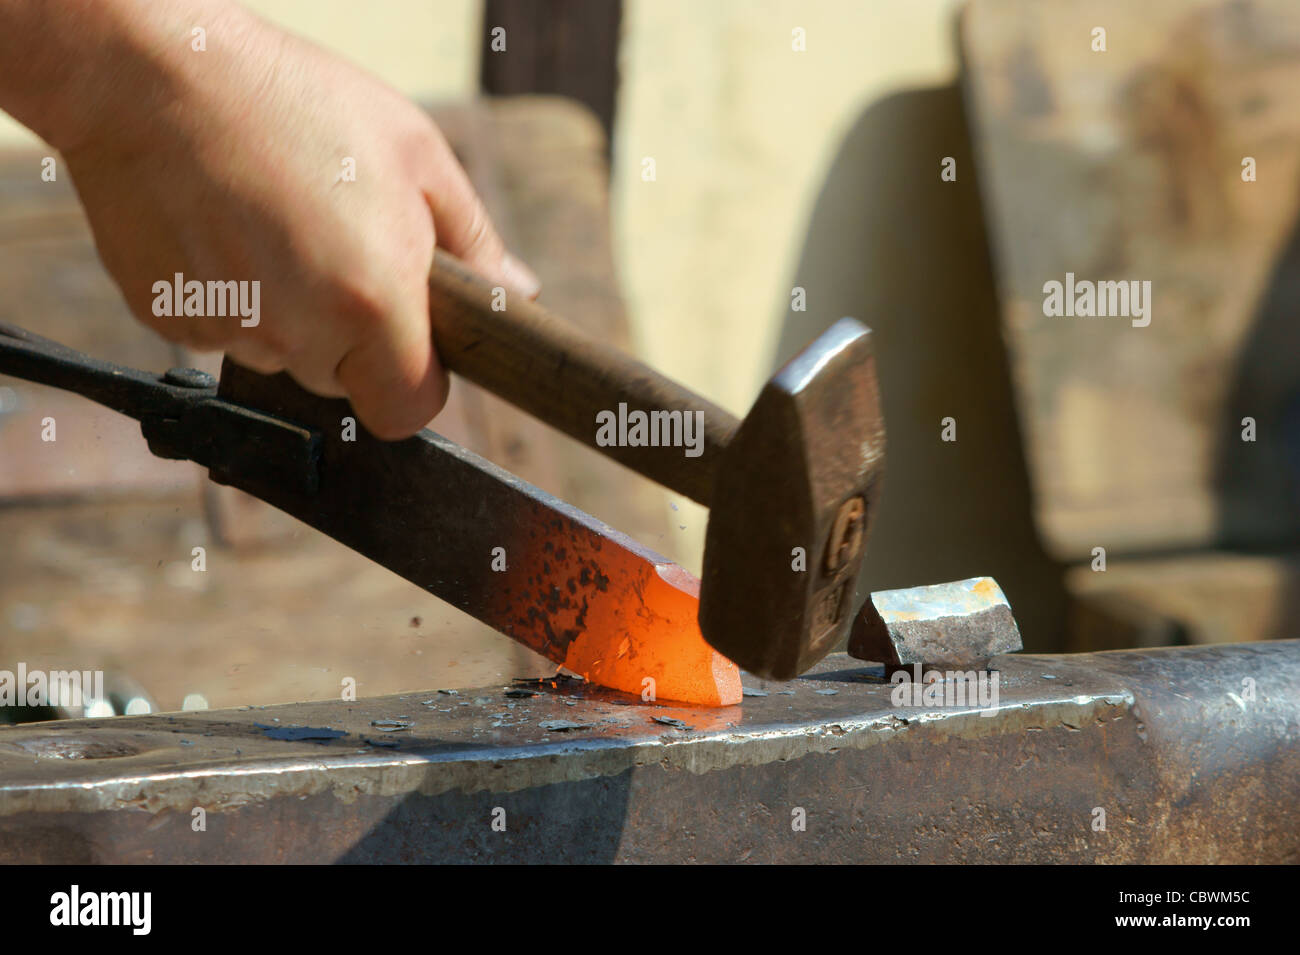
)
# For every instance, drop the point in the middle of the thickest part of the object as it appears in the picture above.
(588, 775)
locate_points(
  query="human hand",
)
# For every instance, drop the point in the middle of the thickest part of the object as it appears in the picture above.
(230, 164)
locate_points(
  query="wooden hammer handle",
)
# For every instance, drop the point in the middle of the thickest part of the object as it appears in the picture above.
(562, 376)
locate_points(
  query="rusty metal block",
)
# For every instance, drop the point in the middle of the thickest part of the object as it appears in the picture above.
(964, 623)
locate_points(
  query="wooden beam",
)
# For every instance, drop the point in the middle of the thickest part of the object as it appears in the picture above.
(565, 47)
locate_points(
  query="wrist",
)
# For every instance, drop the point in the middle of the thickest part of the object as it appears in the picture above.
(85, 71)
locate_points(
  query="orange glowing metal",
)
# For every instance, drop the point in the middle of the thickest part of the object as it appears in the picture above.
(616, 614)
(649, 632)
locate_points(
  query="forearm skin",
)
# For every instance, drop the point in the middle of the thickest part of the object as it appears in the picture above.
(71, 70)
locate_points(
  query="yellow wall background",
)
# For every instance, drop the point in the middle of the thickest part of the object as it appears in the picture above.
(742, 129)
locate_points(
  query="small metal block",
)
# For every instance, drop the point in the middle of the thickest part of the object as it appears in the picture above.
(963, 623)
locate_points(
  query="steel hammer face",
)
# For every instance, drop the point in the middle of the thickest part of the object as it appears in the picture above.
(792, 502)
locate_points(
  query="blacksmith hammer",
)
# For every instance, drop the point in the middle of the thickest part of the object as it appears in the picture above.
(790, 489)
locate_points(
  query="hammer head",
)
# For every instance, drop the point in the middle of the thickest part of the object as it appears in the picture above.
(792, 502)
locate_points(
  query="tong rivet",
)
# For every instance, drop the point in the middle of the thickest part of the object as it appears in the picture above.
(189, 378)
